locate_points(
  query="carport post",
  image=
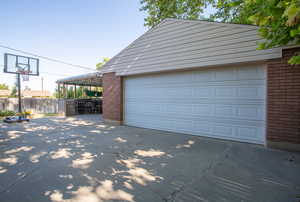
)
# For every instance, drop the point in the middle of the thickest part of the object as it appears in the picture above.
(58, 86)
(65, 90)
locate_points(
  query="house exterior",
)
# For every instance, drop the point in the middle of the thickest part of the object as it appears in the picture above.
(5, 93)
(207, 79)
(36, 93)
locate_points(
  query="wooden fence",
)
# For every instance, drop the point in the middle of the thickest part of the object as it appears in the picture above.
(35, 105)
(67, 107)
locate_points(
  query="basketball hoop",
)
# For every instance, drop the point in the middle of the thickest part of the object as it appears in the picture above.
(22, 66)
(24, 73)
(25, 77)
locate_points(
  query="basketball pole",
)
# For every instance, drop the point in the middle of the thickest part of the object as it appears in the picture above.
(19, 93)
(20, 66)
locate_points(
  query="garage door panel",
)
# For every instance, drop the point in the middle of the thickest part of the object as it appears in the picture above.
(252, 112)
(196, 92)
(250, 132)
(202, 100)
(181, 110)
(246, 133)
(204, 84)
(228, 103)
(251, 92)
(251, 72)
(228, 74)
(151, 117)
(206, 76)
(202, 91)
(207, 109)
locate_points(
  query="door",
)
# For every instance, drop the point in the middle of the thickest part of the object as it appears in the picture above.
(227, 103)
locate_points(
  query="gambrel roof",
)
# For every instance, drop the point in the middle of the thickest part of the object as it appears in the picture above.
(182, 44)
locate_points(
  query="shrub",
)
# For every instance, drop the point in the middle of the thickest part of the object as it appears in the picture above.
(25, 113)
(7, 113)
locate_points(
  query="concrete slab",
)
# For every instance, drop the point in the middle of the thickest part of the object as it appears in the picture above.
(83, 159)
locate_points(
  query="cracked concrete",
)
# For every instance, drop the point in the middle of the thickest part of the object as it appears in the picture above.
(82, 159)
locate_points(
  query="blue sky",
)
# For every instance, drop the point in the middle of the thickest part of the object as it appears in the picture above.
(75, 31)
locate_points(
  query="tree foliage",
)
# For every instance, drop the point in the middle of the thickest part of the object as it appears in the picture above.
(69, 92)
(232, 11)
(182, 9)
(3, 86)
(14, 91)
(279, 20)
(100, 64)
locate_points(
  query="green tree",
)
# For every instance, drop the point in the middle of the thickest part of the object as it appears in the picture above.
(279, 23)
(232, 11)
(182, 9)
(56, 92)
(100, 64)
(14, 91)
(70, 92)
(3, 86)
(79, 91)
(279, 20)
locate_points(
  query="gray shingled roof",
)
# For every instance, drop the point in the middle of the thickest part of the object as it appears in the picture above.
(181, 44)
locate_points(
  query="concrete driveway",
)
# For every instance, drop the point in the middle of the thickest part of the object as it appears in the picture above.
(82, 159)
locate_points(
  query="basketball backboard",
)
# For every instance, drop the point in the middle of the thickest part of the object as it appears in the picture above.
(22, 66)
(17, 64)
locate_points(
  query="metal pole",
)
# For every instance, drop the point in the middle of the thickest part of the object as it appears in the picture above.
(42, 85)
(19, 93)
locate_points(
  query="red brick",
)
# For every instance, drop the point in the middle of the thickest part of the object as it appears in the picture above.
(112, 97)
(283, 103)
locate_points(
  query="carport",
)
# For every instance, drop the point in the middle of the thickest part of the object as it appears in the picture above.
(81, 94)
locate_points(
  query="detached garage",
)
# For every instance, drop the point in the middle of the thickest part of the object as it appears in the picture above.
(206, 79)
(226, 103)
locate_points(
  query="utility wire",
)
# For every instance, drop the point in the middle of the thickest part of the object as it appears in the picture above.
(47, 58)
(54, 74)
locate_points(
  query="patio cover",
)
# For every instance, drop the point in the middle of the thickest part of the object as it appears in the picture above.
(90, 79)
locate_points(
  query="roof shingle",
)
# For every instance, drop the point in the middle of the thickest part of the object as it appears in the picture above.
(181, 44)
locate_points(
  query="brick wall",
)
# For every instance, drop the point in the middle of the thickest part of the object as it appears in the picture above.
(283, 102)
(112, 98)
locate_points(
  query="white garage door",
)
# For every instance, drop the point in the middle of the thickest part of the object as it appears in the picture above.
(227, 103)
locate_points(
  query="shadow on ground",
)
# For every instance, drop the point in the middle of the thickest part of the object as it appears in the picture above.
(82, 159)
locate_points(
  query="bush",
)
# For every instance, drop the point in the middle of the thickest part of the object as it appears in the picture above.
(12, 113)
(25, 113)
(7, 113)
